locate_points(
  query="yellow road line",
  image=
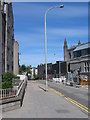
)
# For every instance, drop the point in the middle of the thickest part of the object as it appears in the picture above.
(71, 100)
(60, 94)
(77, 105)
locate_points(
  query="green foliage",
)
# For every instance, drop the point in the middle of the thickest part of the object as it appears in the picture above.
(28, 70)
(22, 69)
(35, 76)
(8, 77)
(17, 77)
(6, 84)
(7, 80)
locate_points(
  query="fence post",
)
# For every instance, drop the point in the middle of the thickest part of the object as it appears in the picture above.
(5, 92)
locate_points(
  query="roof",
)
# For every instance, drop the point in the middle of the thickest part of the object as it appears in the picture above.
(72, 48)
(82, 46)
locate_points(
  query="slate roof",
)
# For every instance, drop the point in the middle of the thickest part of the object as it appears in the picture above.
(82, 46)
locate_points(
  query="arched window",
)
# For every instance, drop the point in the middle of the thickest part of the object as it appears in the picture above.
(69, 55)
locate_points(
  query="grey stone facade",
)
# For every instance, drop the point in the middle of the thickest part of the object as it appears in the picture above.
(2, 40)
(41, 71)
(53, 70)
(9, 38)
(16, 58)
(6, 37)
(78, 57)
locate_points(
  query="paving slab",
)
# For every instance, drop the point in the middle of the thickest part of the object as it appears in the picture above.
(40, 104)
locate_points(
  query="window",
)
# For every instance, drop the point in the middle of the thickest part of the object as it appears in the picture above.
(8, 67)
(69, 55)
(88, 50)
(85, 64)
(77, 54)
(84, 52)
(7, 53)
(86, 67)
(81, 52)
(12, 67)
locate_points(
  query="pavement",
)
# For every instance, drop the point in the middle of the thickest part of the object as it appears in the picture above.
(40, 104)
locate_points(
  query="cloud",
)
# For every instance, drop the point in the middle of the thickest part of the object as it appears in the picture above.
(34, 43)
(73, 10)
(30, 39)
(32, 46)
(38, 9)
(38, 36)
(29, 30)
(68, 32)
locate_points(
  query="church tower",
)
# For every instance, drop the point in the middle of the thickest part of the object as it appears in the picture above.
(65, 50)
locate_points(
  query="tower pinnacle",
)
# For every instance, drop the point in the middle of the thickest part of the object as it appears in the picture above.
(65, 42)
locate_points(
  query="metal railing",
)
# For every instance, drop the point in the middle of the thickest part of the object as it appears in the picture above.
(5, 93)
(11, 92)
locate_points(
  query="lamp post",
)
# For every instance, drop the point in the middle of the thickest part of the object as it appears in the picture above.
(61, 6)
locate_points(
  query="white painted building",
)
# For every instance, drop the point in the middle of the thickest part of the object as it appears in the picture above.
(34, 71)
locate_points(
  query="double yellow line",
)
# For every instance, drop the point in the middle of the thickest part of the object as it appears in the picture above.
(78, 104)
(58, 93)
(84, 108)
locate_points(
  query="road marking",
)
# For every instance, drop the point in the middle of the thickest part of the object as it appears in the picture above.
(60, 94)
(84, 108)
(78, 103)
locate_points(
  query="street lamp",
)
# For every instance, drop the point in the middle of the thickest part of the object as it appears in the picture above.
(61, 6)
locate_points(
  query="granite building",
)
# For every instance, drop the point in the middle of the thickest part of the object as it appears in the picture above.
(59, 69)
(9, 37)
(6, 37)
(2, 38)
(78, 58)
(53, 70)
(16, 57)
(41, 71)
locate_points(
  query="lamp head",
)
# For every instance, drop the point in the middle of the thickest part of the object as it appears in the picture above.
(62, 6)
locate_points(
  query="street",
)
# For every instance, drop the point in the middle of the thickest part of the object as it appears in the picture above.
(40, 104)
(78, 94)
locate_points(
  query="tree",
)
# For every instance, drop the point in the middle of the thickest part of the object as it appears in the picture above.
(7, 80)
(28, 70)
(22, 69)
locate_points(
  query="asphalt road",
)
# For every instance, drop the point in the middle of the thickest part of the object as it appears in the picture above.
(78, 94)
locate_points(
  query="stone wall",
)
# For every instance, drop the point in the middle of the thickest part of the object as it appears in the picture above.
(15, 102)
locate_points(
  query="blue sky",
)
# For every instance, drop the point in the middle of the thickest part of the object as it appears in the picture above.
(71, 23)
